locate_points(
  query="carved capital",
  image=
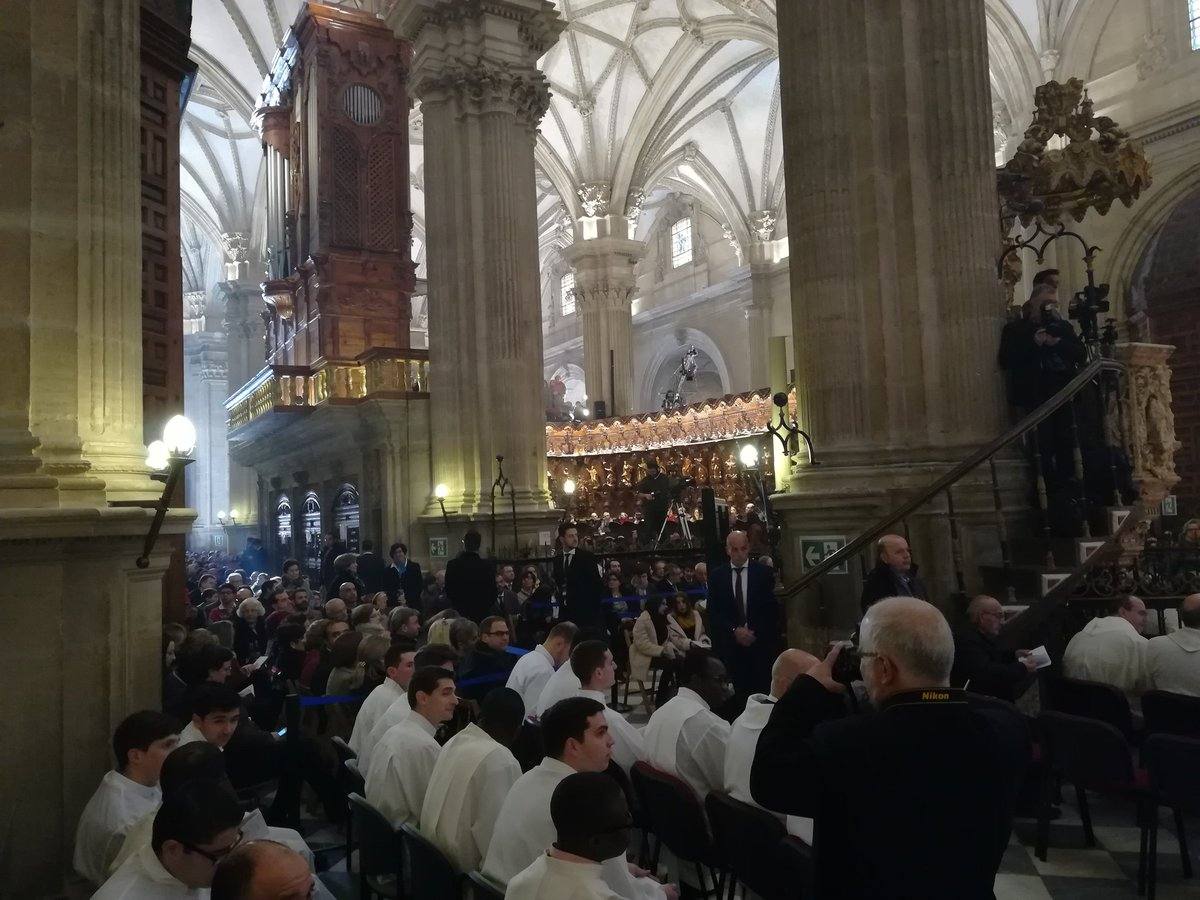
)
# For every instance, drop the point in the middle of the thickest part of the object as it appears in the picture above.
(762, 224)
(634, 201)
(484, 88)
(594, 197)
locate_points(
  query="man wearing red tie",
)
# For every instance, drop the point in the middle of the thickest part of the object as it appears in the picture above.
(745, 618)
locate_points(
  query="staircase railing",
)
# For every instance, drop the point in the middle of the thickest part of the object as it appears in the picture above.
(1105, 372)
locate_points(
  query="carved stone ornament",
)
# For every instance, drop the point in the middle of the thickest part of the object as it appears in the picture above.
(487, 88)
(731, 238)
(634, 201)
(594, 197)
(236, 246)
(1098, 165)
(1154, 54)
(1150, 421)
(762, 223)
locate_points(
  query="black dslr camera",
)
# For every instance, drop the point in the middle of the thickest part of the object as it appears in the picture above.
(846, 669)
(1086, 307)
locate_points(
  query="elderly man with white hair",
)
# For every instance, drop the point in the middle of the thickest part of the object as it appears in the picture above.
(912, 799)
(894, 575)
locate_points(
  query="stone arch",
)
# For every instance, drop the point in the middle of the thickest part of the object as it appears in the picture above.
(665, 352)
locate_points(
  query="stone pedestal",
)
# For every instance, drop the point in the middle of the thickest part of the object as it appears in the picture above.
(482, 97)
(605, 283)
(896, 308)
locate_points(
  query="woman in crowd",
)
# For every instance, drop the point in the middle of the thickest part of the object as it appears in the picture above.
(319, 641)
(439, 630)
(685, 626)
(367, 619)
(249, 631)
(651, 645)
(370, 657)
(346, 675)
(537, 614)
(463, 635)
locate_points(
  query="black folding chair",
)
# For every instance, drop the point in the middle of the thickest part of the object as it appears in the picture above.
(380, 861)
(353, 783)
(750, 839)
(1091, 699)
(1167, 713)
(1172, 762)
(677, 820)
(431, 876)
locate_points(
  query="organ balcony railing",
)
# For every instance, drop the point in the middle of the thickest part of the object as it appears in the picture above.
(375, 375)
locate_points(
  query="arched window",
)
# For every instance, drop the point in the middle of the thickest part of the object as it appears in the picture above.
(312, 532)
(1194, 22)
(681, 243)
(283, 526)
(566, 301)
(345, 516)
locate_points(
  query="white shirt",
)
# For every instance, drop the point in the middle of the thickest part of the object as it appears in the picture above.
(117, 804)
(739, 757)
(529, 676)
(1173, 662)
(563, 683)
(376, 704)
(401, 765)
(548, 878)
(628, 746)
(190, 735)
(254, 828)
(685, 738)
(390, 717)
(1108, 650)
(527, 831)
(142, 877)
(466, 789)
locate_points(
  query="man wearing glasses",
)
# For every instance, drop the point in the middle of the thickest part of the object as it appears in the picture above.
(981, 665)
(489, 663)
(196, 826)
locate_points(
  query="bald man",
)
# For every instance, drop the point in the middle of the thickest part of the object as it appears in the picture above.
(894, 575)
(262, 870)
(745, 618)
(927, 748)
(743, 739)
(981, 665)
(335, 610)
(1173, 660)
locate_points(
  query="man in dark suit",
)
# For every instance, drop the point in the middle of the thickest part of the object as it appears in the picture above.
(577, 574)
(925, 748)
(471, 580)
(981, 665)
(745, 618)
(402, 579)
(894, 575)
(371, 568)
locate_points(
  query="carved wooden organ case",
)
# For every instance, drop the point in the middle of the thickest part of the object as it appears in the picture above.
(334, 125)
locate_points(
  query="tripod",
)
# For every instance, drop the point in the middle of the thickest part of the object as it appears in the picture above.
(681, 514)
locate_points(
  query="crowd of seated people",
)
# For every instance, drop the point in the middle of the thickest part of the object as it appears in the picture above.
(469, 728)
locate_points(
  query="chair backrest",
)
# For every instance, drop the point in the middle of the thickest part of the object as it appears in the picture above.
(430, 875)
(1169, 713)
(378, 841)
(674, 813)
(354, 776)
(795, 867)
(1173, 762)
(748, 837)
(1091, 699)
(480, 887)
(343, 749)
(1087, 752)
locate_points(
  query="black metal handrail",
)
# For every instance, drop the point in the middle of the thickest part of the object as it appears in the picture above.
(1017, 431)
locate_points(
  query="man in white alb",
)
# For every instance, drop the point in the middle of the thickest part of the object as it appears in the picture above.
(562, 684)
(193, 829)
(529, 676)
(398, 668)
(577, 739)
(429, 655)
(140, 743)
(472, 776)
(593, 664)
(404, 759)
(743, 737)
(216, 711)
(591, 823)
(684, 736)
(1111, 649)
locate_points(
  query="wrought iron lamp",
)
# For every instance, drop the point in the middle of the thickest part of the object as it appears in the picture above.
(167, 459)
(439, 492)
(787, 429)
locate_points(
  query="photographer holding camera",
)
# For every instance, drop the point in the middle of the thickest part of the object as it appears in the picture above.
(914, 799)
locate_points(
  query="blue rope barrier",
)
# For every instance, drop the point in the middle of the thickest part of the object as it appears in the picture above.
(325, 701)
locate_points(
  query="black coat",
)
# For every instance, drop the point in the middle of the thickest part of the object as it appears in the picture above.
(486, 665)
(471, 585)
(991, 669)
(749, 667)
(884, 582)
(580, 588)
(915, 800)
(249, 642)
(371, 569)
(1018, 357)
(404, 589)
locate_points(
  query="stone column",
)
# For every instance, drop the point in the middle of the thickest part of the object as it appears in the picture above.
(896, 308)
(245, 357)
(758, 314)
(605, 283)
(475, 72)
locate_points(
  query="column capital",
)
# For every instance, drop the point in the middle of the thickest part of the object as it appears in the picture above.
(481, 55)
